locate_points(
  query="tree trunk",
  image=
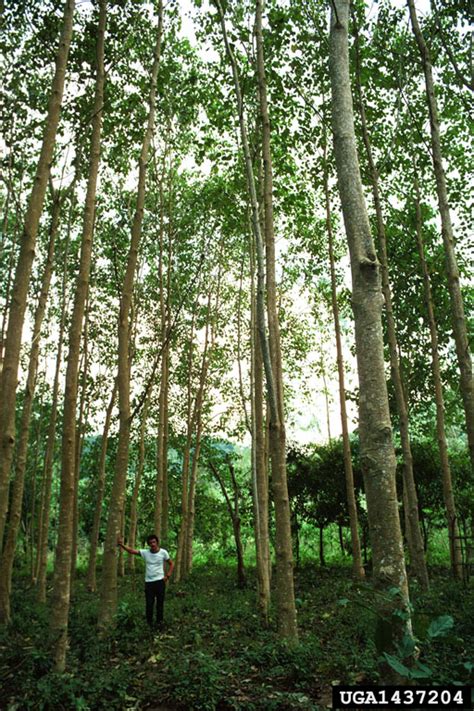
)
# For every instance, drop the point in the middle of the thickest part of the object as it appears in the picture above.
(322, 562)
(80, 434)
(62, 567)
(377, 450)
(458, 319)
(9, 375)
(259, 470)
(414, 538)
(357, 567)
(451, 515)
(45, 501)
(179, 567)
(161, 452)
(94, 540)
(198, 425)
(8, 553)
(234, 513)
(286, 609)
(132, 535)
(108, 599)
(284, 555)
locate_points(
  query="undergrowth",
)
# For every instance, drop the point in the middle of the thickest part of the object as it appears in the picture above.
(214, 653)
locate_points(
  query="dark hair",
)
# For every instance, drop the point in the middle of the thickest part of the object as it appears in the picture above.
(152, 537)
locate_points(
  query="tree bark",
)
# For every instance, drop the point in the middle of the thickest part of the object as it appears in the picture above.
(458, 319)
(161, 452)
(259, 468)
(8, 553)
(94, 540)
(357, 567)
(377, 450)
(132, 535)
(451, 514)
(62, 567)
(9, 375)
(197, 424)
(80, 434)
(284, 556)
(179, 567)
(413, 533)
(44, 515)
(234, 513)
(108, 599)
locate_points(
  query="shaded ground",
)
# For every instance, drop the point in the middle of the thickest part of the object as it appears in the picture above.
(214, 654)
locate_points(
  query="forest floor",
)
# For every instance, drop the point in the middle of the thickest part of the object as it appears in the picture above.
(214, 654)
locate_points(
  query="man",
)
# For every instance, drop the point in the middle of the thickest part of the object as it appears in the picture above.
(155, 576)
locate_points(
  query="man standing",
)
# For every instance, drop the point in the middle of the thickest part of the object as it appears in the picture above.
(155, 576)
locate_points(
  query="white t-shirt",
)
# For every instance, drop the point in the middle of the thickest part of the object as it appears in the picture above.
(154, 564)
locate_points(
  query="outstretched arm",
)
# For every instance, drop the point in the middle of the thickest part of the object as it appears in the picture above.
(122, 545)
(170, 569)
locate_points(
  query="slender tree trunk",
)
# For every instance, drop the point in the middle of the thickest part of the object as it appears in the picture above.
(100, 486)
(413, 533)
(166, 376)
(357, 567)
(234, 513)
(8, 553)
(80, 434)
(161, 453)
(44, 515)
(11, 265)
(284, 555)
(179, 568)
(62, 567)
(198, 423)
(375, 431)
(451, 515)
(286, 608)
(259, 469)
(322, 562)
(132, 536)
(457, 306)
(30, 516)
(108, 599)
(9, 375)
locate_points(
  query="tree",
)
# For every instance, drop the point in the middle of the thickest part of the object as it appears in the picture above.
(377, 450)
(64, 548)
(452, 271)
(9, 375)
(108, 598)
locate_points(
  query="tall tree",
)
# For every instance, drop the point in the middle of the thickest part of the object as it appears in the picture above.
(47, 478)
(375, 431)
(283, 547)
(64, 548)
(413, 532)
(451, 515)
(458, 318)
(8, 552)
(357, 566)
(9, 374)
(271, 356)
(108, 598)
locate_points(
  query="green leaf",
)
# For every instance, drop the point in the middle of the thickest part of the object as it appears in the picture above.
(421, 672)
(407, 646)
(397, 665)
(440, 626)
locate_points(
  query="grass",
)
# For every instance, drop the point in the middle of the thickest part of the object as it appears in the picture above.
(214, 653)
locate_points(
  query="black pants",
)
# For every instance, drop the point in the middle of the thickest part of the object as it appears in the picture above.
(153, 590)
